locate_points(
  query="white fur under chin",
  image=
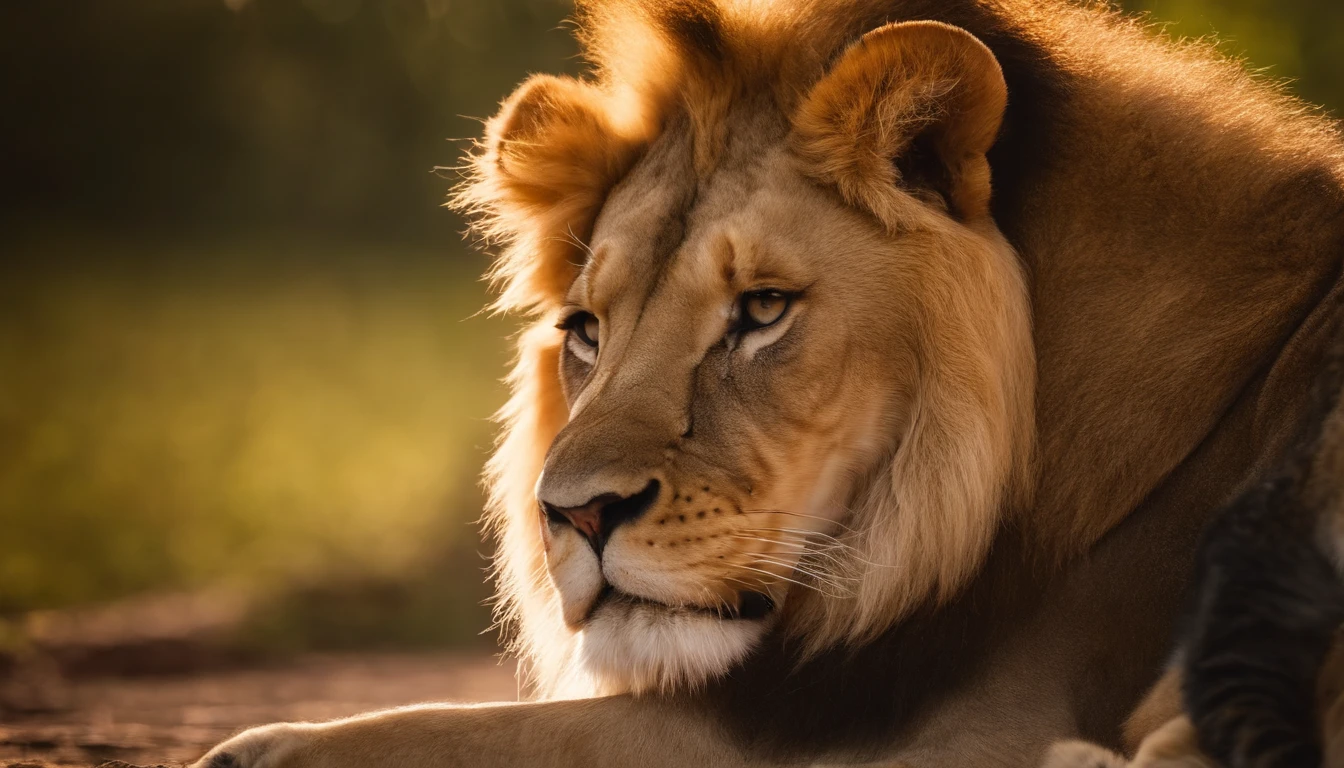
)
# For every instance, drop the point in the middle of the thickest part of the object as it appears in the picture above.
(636, 647)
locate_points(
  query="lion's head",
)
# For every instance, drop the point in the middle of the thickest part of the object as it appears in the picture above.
(781, 373)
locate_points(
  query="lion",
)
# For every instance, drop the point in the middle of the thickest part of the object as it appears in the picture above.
(884, 361)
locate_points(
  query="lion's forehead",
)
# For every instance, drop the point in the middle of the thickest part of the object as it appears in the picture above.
(673, 202)
(643, 222)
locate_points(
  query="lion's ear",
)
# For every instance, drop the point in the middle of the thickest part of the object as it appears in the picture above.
(554, 144)
(547, 162)
(911, 106)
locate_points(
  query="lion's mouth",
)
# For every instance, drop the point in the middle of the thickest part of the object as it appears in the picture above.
(751, 605)
(631, 643)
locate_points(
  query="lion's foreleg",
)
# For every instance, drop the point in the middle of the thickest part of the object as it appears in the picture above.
(617, 731)
(1174, 745)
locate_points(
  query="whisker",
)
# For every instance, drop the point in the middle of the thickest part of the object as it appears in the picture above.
(807, 571)
(777, 577)
(774, 576)
(824, 558)
(852, 552)
(767, 540)
(801, 548)
(715, 603)
(792, 535)
(829, 549)
(786, 513)
(804, 534)
(744, 584)
(817, 582)
(789, 547)
(777, 511)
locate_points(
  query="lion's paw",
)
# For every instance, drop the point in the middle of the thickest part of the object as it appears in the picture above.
(269, 746)
(1080, 754)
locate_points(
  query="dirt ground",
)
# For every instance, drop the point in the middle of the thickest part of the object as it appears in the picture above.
(174, 719)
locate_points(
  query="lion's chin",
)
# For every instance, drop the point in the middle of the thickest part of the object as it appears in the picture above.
(634, 645)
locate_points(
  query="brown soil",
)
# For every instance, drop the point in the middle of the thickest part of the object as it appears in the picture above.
(172, 720)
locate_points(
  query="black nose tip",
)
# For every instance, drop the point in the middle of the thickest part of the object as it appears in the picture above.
(600, 516)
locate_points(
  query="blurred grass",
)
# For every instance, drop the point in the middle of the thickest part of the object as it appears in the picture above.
(255, 414)
(1298, 41)
(298, 418)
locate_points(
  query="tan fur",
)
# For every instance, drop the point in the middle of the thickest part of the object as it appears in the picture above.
(1157, 734)
(1173, 745)
(970, 436)
(1330, 704)
(1161, 705)
(957, 415)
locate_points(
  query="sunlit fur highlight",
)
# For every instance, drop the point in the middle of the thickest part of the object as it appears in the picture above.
(535, 186)
(538, 180)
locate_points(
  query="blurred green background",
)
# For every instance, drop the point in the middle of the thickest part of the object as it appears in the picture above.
(240, 348)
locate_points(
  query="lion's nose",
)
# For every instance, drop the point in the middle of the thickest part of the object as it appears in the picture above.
(602, 514)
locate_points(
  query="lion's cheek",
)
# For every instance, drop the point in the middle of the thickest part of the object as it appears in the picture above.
(576, 574)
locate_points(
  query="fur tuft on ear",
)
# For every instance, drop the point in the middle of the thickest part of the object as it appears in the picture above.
(537, 180)
(911, 106)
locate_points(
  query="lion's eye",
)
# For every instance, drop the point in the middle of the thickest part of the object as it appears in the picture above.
(583, 329)
(762, 308)
(586, 329)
